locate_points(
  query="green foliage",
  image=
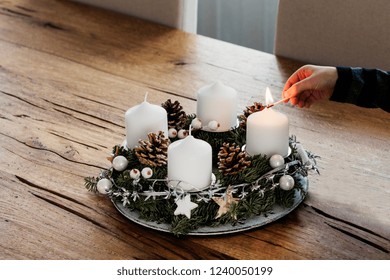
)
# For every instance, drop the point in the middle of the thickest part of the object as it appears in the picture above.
(259, 166)
(90, 183)
(158, 210)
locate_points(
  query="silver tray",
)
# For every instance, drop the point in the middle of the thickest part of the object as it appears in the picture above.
(251, 223)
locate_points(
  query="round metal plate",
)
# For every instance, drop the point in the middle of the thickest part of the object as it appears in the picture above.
(254, 222)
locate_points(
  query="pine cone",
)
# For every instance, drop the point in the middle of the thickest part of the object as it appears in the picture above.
(256, 107)
(153, 152)
(177, 118)
(231, 159)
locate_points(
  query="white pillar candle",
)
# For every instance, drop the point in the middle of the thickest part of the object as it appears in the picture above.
(190, 164)
(267, 132)
(143, 119)
(217, 102)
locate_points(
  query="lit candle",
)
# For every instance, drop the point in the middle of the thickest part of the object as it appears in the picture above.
(267, 131)
(190, 164)
(217, 102)
(143, 119)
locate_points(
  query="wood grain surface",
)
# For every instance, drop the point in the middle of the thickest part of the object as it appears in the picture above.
(68, 73)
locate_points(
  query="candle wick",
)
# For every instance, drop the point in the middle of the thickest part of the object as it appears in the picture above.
(190, 130)
(146, 96)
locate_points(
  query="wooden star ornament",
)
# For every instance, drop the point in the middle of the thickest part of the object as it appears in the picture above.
(225, 202)
(111, 158)
(184, 206)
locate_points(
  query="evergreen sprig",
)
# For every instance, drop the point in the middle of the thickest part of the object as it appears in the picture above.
(90, 183)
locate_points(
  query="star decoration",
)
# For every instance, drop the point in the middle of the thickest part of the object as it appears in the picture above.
(184, 206)
(225, 202)
(111, 158)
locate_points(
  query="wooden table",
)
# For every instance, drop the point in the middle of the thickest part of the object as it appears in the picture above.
(68, 73)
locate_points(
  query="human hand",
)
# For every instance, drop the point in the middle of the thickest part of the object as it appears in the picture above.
(310, 84)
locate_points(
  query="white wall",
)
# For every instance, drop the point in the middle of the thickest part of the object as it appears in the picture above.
(181, 14)
(249, 23)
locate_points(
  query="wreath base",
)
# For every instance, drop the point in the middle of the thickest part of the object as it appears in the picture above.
(247, 192)
(251, 223)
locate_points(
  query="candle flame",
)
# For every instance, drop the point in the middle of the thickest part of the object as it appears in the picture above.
(268, 97)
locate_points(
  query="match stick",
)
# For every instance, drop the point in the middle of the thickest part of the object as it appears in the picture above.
(277, 102)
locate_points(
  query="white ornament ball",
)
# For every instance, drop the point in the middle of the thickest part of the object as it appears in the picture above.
(172, 133)
(104, 186)
(120, 163)
(196, 123)
(213, 125)
(182, 133)
(276, 161)
(134, 173)
(147, 172)
(286, 182)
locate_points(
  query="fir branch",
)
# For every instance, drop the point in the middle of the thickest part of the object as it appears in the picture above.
(259, 166)
(285, 198)
(181, 225)
(157, 210)
(238, 136)
(190, 118)
(90, 183)
(258, 202)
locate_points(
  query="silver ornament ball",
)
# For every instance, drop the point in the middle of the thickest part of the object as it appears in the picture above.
(276, 161)
(196, 123)
(120, 163)
(286, 182)
(213, 125)
(104, 186)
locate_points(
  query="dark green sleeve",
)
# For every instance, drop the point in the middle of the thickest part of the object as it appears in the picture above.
(368, 88)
